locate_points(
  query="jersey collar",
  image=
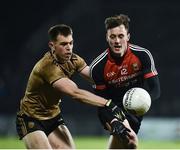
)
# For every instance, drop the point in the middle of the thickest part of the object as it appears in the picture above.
(73, 57)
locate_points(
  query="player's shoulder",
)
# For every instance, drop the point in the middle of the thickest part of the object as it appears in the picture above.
(99, 60)
(139, 51)
(98, 64)
(136, 48)
(78, 62)
(43, 62)
(76, 57)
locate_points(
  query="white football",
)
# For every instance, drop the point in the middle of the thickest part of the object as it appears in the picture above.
(137, 101)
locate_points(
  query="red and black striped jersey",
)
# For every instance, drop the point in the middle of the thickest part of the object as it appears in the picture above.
(116, 76)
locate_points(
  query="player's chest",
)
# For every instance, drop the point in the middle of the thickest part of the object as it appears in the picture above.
(116, 73)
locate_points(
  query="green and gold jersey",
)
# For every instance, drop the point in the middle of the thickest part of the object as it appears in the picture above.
(41, 100)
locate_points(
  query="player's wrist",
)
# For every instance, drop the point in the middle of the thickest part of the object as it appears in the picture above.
(117, 111)
(110, 104)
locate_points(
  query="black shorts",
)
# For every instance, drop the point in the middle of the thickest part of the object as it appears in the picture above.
(26, 124)
(134, 121)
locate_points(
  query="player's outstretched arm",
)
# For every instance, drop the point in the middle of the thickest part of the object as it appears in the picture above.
(67, 86)
(109, 110)
(85, 73)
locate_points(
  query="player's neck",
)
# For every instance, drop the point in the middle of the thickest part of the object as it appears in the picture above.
(56, 59)
(115, 56)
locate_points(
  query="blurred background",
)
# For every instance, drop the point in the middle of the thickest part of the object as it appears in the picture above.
(154, 25)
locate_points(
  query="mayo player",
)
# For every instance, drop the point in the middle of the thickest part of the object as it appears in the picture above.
(120, 67)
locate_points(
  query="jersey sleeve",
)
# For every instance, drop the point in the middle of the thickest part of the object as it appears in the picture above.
(97, 72)
(79, 62)
(98, 79)
(50, 72)
(99, 83)
(146, 58)
(149, 69)
(149, 66)
(53, 74)
(152, 85)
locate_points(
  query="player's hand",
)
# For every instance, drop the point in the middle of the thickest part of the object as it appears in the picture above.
(118, 129)
(115, 110)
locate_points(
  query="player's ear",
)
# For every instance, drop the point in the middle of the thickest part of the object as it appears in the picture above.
(128, 36)
(106, 37)
(51, 44)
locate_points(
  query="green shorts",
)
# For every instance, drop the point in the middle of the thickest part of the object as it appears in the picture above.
(26, 124)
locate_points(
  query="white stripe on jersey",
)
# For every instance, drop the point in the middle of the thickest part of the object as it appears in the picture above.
(97, 60)
(138, 48)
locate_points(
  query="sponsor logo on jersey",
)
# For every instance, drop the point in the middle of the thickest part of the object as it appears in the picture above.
(135, 67)
(30, 124)
(123, 80)
(110, 74)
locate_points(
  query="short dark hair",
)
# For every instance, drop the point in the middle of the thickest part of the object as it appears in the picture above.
(62, 29)
(117, 20)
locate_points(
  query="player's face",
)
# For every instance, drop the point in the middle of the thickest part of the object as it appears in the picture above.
(63, 47)
(117, 39)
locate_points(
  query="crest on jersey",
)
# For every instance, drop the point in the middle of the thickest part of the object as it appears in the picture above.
(30, 124)
(135, 67)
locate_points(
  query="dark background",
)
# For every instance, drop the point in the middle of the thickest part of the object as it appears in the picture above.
(24, 24)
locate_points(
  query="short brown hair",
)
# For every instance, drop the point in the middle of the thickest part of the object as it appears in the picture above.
(117, 20)
(62, 29)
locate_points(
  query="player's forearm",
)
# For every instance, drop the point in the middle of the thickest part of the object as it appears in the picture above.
(67, 86)
(153, 87)
(89, 98)
(85, 73)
